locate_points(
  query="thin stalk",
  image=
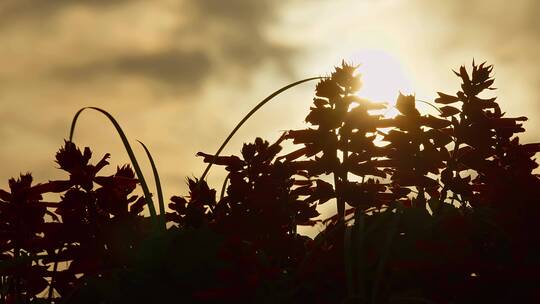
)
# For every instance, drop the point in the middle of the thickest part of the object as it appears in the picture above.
(343, 171)
(338, 180)
(430, 104)
(159, 191)
(358, 235)
(384, 257)
(451, 166)
(16, 280)
(349, 265)
(339, 201)
(224, 187)
(255, 109)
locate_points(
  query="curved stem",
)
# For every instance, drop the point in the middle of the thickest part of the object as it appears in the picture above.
(429, 104)
(255, 109)
(130, 153)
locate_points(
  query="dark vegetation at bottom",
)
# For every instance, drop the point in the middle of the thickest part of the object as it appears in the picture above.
(431, 209)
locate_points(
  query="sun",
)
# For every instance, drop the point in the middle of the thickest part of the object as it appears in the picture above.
(382, 76)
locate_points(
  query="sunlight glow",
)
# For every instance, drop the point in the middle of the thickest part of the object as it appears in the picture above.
(382, 76)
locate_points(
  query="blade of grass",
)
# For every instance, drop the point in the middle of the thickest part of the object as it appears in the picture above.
(133, 159)
(358, 233)
(255, 109)
(159, 191)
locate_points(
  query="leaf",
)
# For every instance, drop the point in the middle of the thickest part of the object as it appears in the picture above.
(303, 136)
(411, 178)
(531, 148)
(487, 84)
(364, 104)
(4, 195)
(320, 103)
(446, 99)
(434, 204)
(303, 191)
(312, 166)
(385, 163)
(449, 111)
(486, 103)
(327, 118)
(51, 186)
(230, 161)
(434, 122)
(304, 216)
(464, 75)
(295, 154)
(324, 191)
(157, 181)
(446, 176)
(440, 138)
(367, 168)
(506, 122)
(461, 186)
(400, 192)
(138, 206)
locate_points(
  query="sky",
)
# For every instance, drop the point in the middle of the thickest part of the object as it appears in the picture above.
(178, 75)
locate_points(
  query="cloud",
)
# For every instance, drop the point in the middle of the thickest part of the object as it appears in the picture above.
(239, 31)
(122, 56)
(15, 11)
(229, 39)
(237, 11)
(505, 31)
(174, 67)
(496, 24)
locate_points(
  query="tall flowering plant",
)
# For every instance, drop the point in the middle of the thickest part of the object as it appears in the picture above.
(430, 208)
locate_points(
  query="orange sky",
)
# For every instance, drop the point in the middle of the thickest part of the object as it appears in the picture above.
(179, 74)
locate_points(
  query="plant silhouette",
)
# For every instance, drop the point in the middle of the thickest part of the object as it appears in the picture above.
(430, 209)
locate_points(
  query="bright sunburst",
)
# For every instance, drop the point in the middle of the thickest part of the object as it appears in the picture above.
(382, 76)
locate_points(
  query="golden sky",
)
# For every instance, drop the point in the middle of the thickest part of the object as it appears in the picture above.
(178, 75)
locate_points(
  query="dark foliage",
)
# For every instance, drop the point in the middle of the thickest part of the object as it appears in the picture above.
(430, 209)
